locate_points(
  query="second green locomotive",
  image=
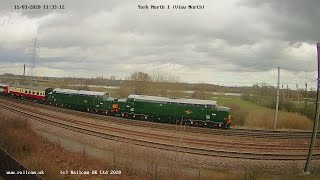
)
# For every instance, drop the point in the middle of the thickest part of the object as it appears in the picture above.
(193, 112)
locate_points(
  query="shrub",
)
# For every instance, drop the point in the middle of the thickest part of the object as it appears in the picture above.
(265, 119)
(294, 121)
(238, 115)
(286, 105)
(198, 94)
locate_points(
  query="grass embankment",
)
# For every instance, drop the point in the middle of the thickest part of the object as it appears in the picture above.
(251, 115)
(38, 154)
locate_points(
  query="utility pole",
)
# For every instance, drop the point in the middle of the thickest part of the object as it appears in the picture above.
(277, 105)
(307, 91)
(298, 92)
(316, 121)
(282, 93)
(24, 71)
(288, 91)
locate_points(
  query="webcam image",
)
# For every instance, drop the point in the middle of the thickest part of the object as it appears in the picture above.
(159, 89)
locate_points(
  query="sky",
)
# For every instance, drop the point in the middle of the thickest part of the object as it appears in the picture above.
(232, 42)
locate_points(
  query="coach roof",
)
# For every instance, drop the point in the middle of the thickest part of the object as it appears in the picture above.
(29, 87)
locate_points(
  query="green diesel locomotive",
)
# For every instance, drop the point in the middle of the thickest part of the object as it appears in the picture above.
(194, 112)
(92, 101)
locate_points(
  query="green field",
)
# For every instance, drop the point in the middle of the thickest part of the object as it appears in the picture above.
(248, 114)
(246, 105)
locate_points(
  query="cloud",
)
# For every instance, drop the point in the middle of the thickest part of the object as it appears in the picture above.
(294, 21)
(245, 39)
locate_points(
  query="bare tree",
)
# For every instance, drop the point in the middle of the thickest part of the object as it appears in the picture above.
(139, 82)
(164, 82)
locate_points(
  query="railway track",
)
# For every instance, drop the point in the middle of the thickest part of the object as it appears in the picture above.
(171, 147)
(205, 131)
(258, 146)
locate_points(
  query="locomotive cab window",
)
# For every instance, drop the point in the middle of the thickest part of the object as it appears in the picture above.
(213, 107)
(105, 96)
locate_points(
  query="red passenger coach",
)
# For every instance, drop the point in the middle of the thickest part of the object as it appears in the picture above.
(27, 92)
(4, 88)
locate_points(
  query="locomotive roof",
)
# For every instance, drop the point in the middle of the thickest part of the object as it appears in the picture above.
(72, 91)
(222, 108)
(178, 100)
(122, 100)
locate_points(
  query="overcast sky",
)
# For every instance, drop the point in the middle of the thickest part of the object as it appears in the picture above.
(232, 42)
